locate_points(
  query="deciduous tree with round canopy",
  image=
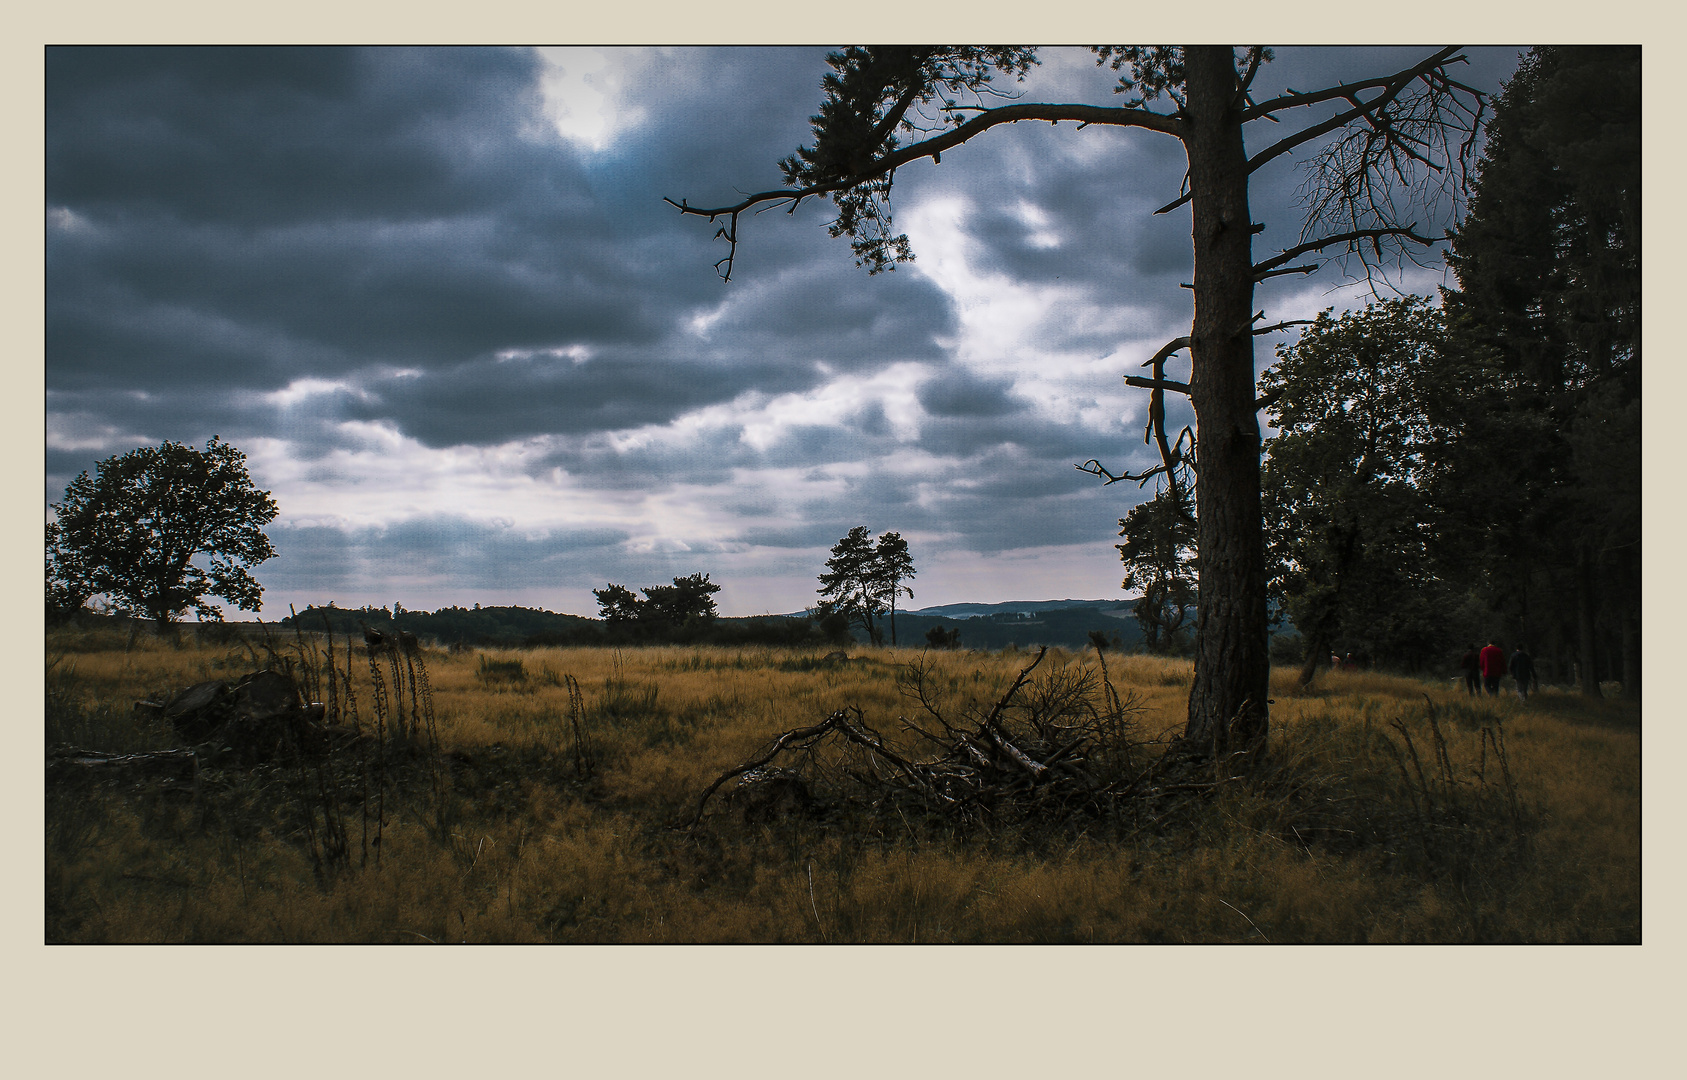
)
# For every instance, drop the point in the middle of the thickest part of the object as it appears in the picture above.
(134, 530)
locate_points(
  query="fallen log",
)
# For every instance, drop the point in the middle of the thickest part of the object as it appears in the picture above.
(68, 762)
(99, 759)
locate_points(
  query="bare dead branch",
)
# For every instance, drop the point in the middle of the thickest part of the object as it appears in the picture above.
(1304, 268)
(1157, 384)
(1043, 746)
(1096, 468)
(1404, 232)
(799, 734)
(1284, 325)
(993, 720)
(1295, 99)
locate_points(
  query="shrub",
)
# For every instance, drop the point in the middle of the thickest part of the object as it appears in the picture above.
(501, 672)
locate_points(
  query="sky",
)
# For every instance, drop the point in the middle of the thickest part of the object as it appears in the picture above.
(436, 297)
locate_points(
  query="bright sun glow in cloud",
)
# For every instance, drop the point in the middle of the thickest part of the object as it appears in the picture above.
(588, 92)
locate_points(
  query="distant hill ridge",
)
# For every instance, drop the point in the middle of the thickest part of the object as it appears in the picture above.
(1023, 623)
(962, 611)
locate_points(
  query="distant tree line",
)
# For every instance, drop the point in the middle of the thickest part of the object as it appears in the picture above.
(520, 627)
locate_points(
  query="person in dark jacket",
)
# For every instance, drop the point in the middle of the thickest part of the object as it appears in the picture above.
(1492, 659)
(1471, 666)
(1523, 670)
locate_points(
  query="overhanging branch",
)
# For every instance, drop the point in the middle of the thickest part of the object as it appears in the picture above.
(1295, 99)
(988, 118)
(1268, 268)
(932, 148)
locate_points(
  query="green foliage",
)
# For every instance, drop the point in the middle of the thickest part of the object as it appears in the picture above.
(863, 579)
(846, 587)
(133, 530)
(509, 627)
(1357, 403)
(939, 638)
(486, 626)
(617, 604)
(1548, 259)
(872, 93)
(1160, 561)
(892, 565)
(689, 600)
(1548, 264)
(683, 608)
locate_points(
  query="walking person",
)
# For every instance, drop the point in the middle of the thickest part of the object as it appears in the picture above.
(1471, 665)
(1523, 670)
(1492, 659)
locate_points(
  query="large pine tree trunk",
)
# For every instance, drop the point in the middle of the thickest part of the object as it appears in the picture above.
(1587, 666)
(1227, 702)
(1631, 654)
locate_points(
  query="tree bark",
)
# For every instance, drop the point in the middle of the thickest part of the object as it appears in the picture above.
(1316, 649)
(1587, 666)
(1227, 701)
(1631, 654)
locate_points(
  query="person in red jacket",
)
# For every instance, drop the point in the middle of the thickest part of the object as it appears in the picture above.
(1493, 668)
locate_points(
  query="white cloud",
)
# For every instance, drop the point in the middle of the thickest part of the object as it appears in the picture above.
(301, 390)
(1041, 236)
(1019, 329)
(85, 431)
(589, 93)
(64, 219)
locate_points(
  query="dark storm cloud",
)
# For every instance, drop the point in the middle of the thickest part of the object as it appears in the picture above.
(436, 548)
(1005, 497)
(270, 136)
(247, 218)
(712, 456)
(492, 401)
(955, 392)
(807, 314)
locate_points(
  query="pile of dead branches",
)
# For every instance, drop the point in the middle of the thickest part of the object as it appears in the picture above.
(1049, 749)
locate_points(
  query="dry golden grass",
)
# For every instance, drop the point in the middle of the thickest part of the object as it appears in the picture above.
(1325, 840)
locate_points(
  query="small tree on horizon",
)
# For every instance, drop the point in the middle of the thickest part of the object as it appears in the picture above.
(863, 579)
(892, 565)
(688, 602)
(615, 604)
(133, 529)
(848, 585)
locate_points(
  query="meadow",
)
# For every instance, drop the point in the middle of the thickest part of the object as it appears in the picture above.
(557, 795)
